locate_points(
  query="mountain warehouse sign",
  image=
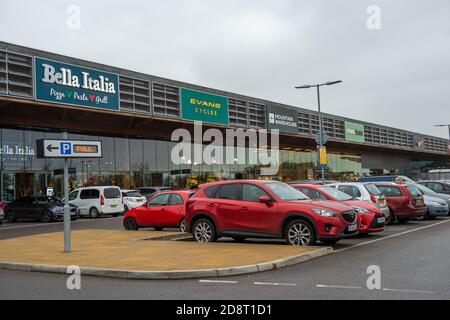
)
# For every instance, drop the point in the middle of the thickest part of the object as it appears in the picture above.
(70, 84)
(285, 120)
(205, 107)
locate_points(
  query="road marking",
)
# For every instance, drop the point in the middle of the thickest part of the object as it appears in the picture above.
(336, 287)
(52, 224)
(275, 284)
(391, 236)
(218, 281)
(409, 291)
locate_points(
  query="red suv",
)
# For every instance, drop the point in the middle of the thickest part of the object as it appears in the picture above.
(369, 217)
(265, 209)
(404, 201)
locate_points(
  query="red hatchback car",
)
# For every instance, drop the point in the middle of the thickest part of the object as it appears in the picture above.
(369, 217)
(164, 210)
(265, 209)
(404, 201)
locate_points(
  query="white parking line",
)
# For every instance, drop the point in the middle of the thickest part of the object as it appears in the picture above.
(390, 237)
(50, 224)
(336, 287)
(409, 291)
(218, 281)
(275, 284)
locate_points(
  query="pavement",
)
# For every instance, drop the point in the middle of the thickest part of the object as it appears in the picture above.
(413, 259)
(146, 255)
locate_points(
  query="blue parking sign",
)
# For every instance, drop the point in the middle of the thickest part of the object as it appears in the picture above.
(66, 148)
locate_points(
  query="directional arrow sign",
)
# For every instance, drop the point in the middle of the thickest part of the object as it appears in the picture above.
(68, 149)
(50, 148)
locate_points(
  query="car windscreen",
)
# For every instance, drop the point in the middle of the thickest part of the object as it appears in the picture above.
(132, 194)
(373, 191)
(338, 195)
(112, 193)
(286, 192)
(413, 191)
(45, 199)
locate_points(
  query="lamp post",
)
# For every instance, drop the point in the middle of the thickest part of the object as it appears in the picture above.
(444, 125)
(317, 86)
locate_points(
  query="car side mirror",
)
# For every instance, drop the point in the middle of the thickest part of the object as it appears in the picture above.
(265, 199)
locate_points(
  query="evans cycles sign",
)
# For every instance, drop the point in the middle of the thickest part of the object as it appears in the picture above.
(205, 107)
(354, 132)
(69, 84)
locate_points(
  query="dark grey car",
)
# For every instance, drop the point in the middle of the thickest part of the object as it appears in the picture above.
(149, 192)
(40, 208)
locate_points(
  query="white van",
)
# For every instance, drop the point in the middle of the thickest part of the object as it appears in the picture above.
(97, 201)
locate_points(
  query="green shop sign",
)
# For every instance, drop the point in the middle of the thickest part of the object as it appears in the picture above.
(354, 132)
(69, 84)
(205, 107)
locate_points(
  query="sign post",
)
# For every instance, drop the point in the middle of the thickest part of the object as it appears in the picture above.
(68, 149)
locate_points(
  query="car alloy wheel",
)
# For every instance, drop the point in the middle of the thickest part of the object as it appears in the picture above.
(204, 232)
(300, 234)
(93, 213)
(46, 217)
(130, 224)
(10, 216)
(182, 226)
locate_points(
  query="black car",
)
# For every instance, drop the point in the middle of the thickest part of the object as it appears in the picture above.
(149, 192)
(40, 208)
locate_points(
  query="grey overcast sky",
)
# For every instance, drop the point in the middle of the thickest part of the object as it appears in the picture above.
(398, 75)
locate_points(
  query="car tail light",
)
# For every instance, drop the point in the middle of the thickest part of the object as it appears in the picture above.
(408, 200)
(102, 200)
(373, 199)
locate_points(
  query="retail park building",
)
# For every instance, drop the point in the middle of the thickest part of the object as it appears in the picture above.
(134, 115)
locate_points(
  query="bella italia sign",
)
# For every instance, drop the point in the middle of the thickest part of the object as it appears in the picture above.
(69, 84)
(205, 107)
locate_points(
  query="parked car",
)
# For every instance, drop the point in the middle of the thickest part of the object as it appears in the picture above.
(40, 208)
(435, 207)
(431, 193)
(366, 191)
(437, 186)
(369, 217)
(164, 210)
(132, 199)
(311, 182)
(2, 215)
(265, 209)
(404, 201)
(97, 201)
(386, 179)
(149, 192)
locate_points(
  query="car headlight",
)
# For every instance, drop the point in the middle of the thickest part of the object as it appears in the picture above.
(433, 203)
(324, 213)
(361, 210)
(57, 210)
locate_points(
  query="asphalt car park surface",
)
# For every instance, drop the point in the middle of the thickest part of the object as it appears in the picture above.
(412, 257)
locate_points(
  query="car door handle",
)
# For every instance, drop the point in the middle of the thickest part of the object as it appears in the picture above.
(244, 208)
(211, 205)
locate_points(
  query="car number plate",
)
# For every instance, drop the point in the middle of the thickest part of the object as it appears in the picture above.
(419, 202)
(352, 227)
(382, 220)
(382, 202)
(113, 206)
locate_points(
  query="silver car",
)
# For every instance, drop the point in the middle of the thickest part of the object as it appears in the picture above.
(428, 192)
(435, 207)
(366, 191)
